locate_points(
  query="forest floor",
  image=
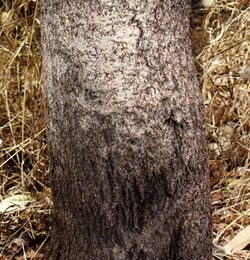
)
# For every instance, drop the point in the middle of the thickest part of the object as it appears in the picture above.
(221, 40)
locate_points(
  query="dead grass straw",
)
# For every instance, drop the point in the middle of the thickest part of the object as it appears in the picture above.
(23, 156)
(224, 65)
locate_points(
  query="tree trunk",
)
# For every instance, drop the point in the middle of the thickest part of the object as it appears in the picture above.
(125, 131)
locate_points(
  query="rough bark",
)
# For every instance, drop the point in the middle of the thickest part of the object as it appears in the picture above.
(125, 131)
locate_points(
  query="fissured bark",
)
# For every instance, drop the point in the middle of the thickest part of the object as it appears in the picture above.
(125, 131)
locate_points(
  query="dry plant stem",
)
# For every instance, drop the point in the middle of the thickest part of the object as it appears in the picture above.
(24, 94)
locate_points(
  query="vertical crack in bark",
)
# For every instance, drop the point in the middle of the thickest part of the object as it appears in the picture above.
(179, 145)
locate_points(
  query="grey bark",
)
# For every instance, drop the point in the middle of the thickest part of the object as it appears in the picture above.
(125, 131)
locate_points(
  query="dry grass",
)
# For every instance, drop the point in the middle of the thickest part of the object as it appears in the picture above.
(223, 63)
(23, 158)
(222, 46)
